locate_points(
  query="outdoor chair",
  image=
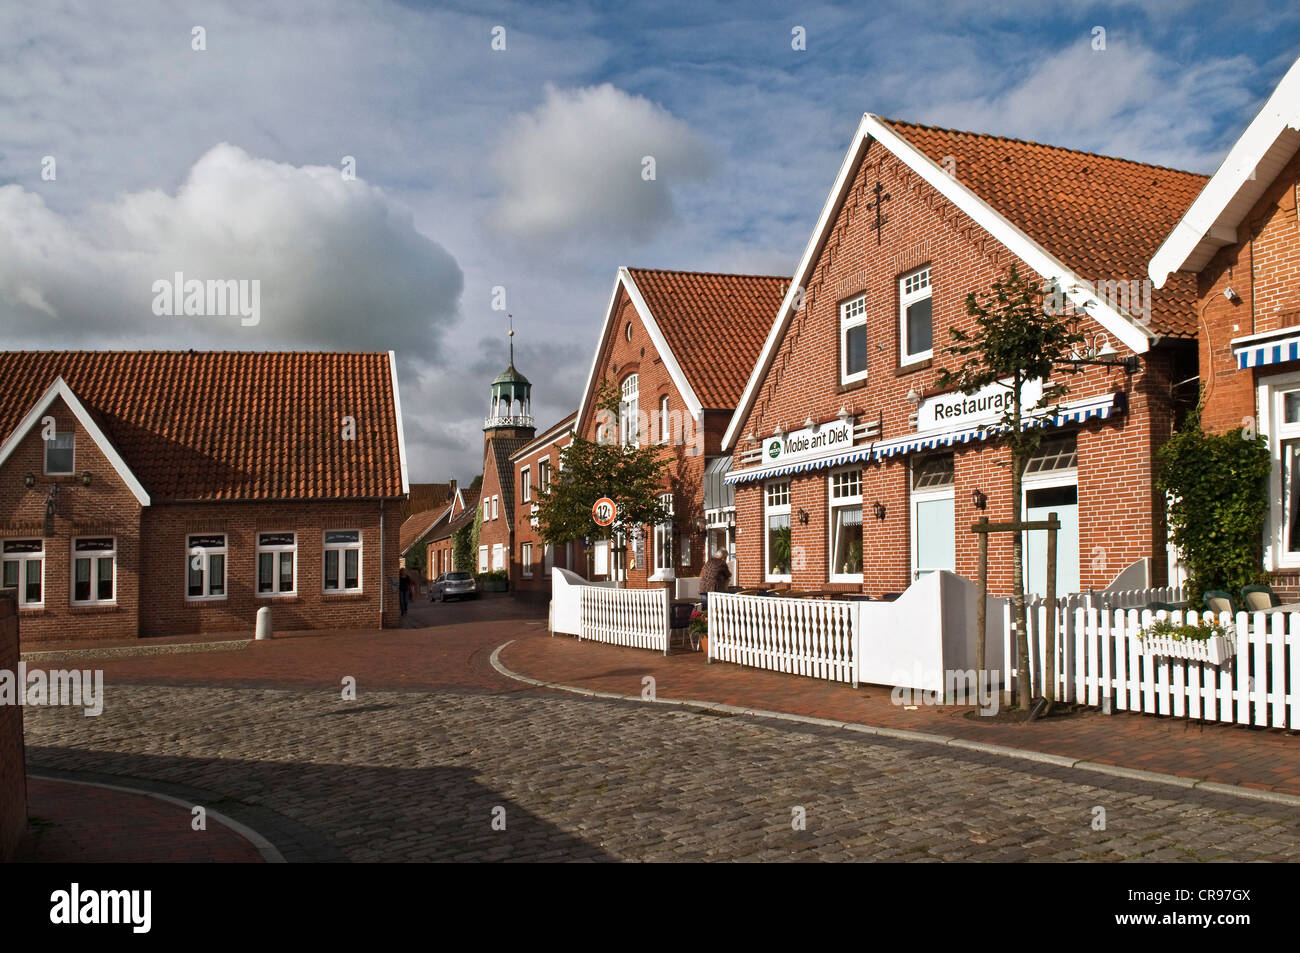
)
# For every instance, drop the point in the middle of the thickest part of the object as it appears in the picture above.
(679, 621)
(1162, 606)
(1259, 598)
(1216, 601)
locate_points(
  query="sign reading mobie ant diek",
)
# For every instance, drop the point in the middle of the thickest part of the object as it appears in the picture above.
(808, 442)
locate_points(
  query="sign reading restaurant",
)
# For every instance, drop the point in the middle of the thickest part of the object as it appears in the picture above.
(808, 442)
(955, 410)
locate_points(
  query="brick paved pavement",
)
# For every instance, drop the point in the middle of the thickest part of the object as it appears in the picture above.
(74, 822)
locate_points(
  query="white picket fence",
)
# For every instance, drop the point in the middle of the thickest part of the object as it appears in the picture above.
(1100, 662)
(632, 617)
(809, 637)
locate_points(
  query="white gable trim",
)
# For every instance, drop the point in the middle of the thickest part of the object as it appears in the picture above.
(679, 380)
(60, 389)
(1132, 334)
(401, 430)
(1211, 221)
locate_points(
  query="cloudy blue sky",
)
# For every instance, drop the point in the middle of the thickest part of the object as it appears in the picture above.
(521, 167)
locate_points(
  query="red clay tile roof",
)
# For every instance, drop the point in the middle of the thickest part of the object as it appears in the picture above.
(714, 324)
(1102, 217)
(429, 496)
(417, 524)
(463, 518)
(228, 425)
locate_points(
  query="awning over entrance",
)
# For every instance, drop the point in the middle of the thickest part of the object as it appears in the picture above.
(1257, 354)
(718, 493)
(1077, 412)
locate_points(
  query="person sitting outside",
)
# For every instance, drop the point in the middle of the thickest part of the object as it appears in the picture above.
(714, 577)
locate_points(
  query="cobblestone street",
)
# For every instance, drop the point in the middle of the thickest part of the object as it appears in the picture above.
(416, 775)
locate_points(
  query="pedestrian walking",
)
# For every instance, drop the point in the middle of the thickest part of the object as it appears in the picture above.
(404, 588)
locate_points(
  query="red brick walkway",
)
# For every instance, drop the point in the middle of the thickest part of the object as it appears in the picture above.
(1259, 758)
(72, 822)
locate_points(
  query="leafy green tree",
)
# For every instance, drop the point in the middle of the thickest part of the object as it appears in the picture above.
(1016, 339)
(415, 556)
(1217, 487)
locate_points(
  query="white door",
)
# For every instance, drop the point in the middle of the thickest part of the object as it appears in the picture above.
(1064, 502)
(934, 547)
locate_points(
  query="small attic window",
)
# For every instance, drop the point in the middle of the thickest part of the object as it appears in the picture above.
(60, 454)
(628, 331)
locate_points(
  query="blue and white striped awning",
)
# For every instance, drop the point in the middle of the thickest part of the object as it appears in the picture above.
(1077, 412)
(1272, 352)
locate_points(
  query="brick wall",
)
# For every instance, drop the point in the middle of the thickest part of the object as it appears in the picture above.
(13, 769)
(1263, 269)
(1119, 512)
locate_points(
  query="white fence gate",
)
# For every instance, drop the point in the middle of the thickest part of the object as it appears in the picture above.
(800, 636)
(633, 617)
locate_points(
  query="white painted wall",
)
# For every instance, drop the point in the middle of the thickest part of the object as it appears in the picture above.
(565, 593)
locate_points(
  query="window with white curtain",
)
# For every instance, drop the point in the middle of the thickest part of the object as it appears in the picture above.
(846, 526)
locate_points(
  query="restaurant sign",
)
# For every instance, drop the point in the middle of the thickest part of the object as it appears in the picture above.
(956, 411)
(808, 442)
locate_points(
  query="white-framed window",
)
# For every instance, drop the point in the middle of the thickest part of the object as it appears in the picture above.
(277, 564)
(94, 570)
(525, 487)
(933, 517)
(663, 539)
(24, 570)
(1279, 421)
(665, 430)
(628, 408)
(548, 559)
(845, 526)
(498, 556)
(777, 549)
(853, 339)
(482, 559)
(526, 560)
(544, 475)
(487, 509)
(915, 317)
(600, 558)
(496, 506)
(205, 568)
(342, 560)
(61, 454)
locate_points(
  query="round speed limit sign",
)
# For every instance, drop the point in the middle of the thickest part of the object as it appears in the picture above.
(602, 511)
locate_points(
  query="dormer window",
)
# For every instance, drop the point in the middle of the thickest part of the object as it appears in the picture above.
(60, 454)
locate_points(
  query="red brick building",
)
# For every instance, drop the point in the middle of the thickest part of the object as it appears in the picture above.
(533, 559)
(440, 539)
(1240, 243)
(853, 472)
(678, 347)
(153, 493)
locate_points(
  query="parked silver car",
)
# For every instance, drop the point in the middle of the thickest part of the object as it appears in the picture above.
(453, 585)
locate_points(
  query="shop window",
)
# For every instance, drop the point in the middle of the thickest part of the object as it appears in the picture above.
(94, 570)
(525, 488)
(916, 317)
(24, 570)
(526, 560)
(846, 526)
(60, 454)
(933, 515)
(205, 575)
(853, 340)
(627, 412)
(343, 561)
(777, 545)
(1059, 452)
(277, 564)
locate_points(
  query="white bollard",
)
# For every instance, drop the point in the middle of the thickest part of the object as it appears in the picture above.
(264, 623)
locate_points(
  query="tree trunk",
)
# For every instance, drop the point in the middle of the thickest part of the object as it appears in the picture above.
(1024, 685)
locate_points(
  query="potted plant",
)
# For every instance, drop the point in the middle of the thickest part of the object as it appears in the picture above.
(1210, 641)
(852, 558)
(781, 551)
(699, 630)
